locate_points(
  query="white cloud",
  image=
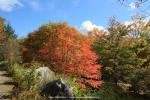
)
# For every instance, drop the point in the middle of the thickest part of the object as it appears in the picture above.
(88, 26)
(133, 5)
(127, 23)
(8, 5)
(35, 5)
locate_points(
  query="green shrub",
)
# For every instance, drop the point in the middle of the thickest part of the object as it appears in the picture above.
(25, 78)
(111, 92)
(75, 86)
(28, 95)
(28, 86)
(106, 92)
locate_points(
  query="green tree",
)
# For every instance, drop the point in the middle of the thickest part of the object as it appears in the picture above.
(125, 53)
(8, 43)
(2, 39)
(10, 33)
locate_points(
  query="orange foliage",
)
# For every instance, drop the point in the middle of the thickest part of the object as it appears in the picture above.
(87, 69)
(65, 50)
(63, 45)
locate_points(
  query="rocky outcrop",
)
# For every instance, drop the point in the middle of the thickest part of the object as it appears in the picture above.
(58, 89)
(44, 75)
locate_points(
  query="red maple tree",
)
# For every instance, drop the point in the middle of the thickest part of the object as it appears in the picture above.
(63, 45)
(65, 51)
(86, 68)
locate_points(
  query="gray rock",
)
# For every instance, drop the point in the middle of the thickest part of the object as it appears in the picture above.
(58, 89)
(44, 75)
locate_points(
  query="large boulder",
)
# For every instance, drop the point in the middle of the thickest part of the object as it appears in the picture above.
(58, 89)
(44, 75)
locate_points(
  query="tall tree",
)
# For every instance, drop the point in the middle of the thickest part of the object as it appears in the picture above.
(2, 39)
(125, 53)
(63, 44)
(10, 33)
(64, 49)
(8, 43)
(86, 67)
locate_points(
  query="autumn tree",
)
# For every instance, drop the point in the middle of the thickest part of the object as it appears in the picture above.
(63, 44)
(8, 43)
(2, 40)
(140, 80)
(86, 67)
(30, 46)
(125, 53)
(108, 48)
(65, 51)
(55, 39)
(141, 5)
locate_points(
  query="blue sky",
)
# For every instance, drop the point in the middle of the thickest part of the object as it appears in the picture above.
(27, 15)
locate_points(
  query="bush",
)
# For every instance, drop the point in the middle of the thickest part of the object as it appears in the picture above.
(111, 91)
(107, 92)
(28, 95)
(26, 83)
(25, 78)
(74, 84)
(28, 87)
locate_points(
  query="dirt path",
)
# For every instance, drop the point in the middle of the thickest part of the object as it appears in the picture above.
(6, 86)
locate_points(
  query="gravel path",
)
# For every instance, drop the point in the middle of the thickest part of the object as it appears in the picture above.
(6, 87)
